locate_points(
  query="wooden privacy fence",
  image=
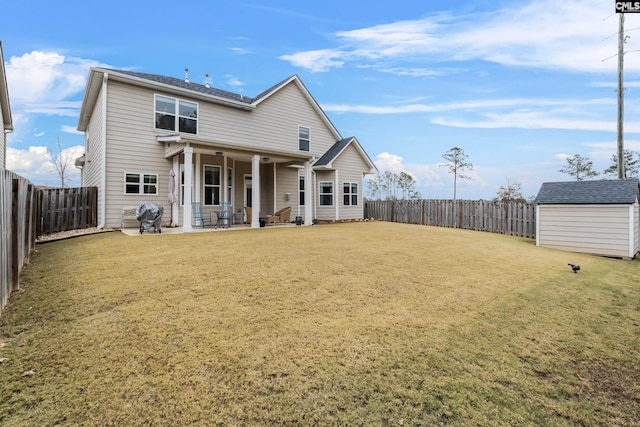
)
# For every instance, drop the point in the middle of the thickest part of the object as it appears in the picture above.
(27, 212)
(68, 209)
(19, 216)
(513, 218)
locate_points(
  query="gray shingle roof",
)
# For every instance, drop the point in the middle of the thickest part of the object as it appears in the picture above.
(618, 191)
(172, 81)
(332, 152)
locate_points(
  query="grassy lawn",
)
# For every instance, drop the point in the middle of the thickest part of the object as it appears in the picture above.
(347, 324)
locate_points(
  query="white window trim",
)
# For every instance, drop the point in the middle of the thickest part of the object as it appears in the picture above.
(205, 185)
(177, 113)
(350, 193)
(141, 183)
(300, 191)
(321, 194)
(308, 139)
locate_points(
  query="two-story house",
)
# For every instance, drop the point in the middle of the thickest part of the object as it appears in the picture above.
(275, 150)
(6, 123)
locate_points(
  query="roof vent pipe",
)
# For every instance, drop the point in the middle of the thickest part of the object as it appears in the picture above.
(186, 75)
(206, 81)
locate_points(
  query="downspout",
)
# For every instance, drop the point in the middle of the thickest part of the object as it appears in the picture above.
(103, 166)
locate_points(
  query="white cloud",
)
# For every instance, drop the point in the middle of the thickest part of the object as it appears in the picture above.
(71, 129)
(428, 178)
(543, 33)
(36, 164)
(234, 81)
(240, 51)
(50, 84)
(317, 60)
(44, 78)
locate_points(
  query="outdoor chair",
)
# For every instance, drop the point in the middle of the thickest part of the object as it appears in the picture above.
(201, 219)
(247, 219)
(283, 215)
(224, 214)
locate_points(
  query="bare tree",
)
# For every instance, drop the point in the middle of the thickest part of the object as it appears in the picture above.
(407, 184)
(457, 164)
(62, 161)
(511, 192)
(578, 166)
(389, 184)
(375, 187)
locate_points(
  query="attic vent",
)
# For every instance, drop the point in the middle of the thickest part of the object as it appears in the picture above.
(186, 75)
(206, 81)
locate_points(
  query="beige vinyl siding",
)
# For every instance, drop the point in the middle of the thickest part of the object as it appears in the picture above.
(132, 147)
(3, 143)
(324, 213)
(596, 229)
(273, 125)
(93, 146)
(92, 169)
(287, 182)
(636, 228)
(351, 167)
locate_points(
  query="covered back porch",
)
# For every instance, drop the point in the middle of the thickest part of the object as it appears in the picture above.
(263, 180)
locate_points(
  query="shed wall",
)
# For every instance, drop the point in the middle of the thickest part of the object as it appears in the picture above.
(596, 229)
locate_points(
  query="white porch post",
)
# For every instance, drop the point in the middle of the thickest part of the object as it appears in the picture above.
(175, 207)
(255, 191)
(310, 200)
(336, 194)
(188, 175)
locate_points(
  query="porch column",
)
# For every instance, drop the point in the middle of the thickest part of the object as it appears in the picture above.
(188, 175)
(255, 191)
(310, 199)
(336, 194)
(175, 206)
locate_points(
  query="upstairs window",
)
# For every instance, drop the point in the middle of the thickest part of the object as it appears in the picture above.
(140, 183)
(176, 114)
(350, 193)
(326, 194)
(303, 138)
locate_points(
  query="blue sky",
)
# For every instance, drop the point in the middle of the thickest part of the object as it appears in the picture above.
(519, 86)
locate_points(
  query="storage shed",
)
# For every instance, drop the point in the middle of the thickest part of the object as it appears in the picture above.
(596, 217)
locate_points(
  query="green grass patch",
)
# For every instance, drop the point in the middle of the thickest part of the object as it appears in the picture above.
(345, 324)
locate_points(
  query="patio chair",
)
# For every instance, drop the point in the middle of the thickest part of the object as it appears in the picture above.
(201, 219)
(247, 219)
(283, 215)
(225, 215)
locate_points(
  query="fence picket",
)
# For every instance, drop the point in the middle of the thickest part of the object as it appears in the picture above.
(512, 218)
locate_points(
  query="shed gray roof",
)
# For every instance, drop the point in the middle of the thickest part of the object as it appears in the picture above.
(618, 191)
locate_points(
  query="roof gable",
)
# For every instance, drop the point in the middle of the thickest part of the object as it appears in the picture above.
(312, 101)
(338, 148)
(618, 191)
(157, 81)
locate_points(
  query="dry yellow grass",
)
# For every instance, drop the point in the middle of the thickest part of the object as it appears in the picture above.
(345, 324)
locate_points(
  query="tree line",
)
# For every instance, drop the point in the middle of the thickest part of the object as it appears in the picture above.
(402, 186)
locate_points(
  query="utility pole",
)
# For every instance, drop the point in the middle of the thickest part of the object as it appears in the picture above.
(621, 40)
